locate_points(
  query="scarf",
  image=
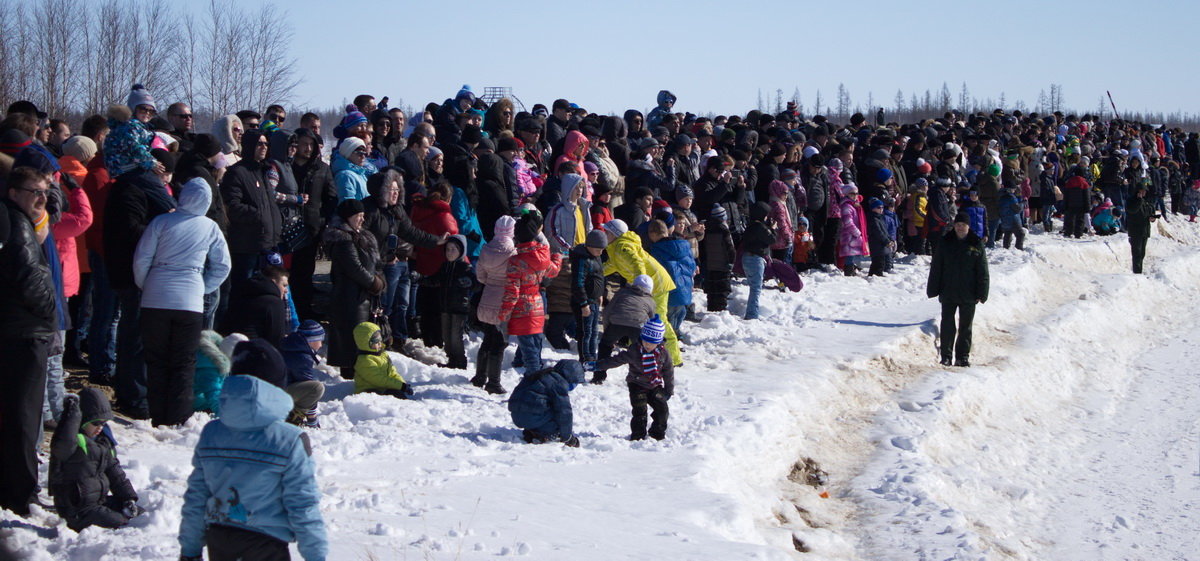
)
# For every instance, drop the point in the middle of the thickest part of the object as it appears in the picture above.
(650, 366)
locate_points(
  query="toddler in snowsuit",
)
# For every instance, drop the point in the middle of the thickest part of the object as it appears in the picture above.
(373, 370)
(541, 403)
(977, 213)
(651, 380)
(877, 237)
(253, 488)
(587, 290)
(86, 479)
(300, 355)
(623, 318)
(1012, 218)
(455, 281)
(718, 253)
(892, 221)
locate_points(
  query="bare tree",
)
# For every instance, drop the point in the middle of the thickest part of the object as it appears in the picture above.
(817, 104)
(944, 99)
(843, 101)
(964, 98)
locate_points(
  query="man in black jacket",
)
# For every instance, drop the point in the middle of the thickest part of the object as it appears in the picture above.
(958, 277)
(254, 219)
(27, 306)
(315, 179)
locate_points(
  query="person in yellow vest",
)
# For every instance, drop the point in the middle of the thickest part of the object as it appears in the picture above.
(627, 258)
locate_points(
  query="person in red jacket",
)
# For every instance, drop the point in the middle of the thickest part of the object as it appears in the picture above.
(432, 214)
(521, 309)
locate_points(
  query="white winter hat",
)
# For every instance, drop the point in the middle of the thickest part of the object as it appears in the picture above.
(349, 145)
(616, 227)
(228, 343)
(644, 282)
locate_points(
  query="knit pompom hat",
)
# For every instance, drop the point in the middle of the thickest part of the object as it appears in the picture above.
(139, 95)
(654, 330)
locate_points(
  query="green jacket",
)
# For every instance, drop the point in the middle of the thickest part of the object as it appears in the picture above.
(959, 273)
(373, 370)
(1138, 213)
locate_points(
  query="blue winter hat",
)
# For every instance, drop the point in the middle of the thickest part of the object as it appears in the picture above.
(654, 330)
(311, 331)
(883, 174)
(465, 93)
(719, 212)
(874, 203)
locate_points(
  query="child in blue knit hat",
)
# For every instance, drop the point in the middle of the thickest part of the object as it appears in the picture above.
(651, 379)
(300, 353)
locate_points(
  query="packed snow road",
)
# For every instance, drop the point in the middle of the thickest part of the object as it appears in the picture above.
(1072, 437)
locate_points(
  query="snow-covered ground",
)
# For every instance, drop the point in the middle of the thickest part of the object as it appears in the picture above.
(1073, 436)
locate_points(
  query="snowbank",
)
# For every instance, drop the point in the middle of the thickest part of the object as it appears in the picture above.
(835, 390)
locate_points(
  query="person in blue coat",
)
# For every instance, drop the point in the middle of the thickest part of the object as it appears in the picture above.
(180, 257)
(541, 403)
(253, 488)
(675, 255)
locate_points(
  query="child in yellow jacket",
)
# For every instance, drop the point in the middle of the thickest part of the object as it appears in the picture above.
(373, 370)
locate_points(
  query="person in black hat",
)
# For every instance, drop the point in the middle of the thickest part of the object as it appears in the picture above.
(958, 277)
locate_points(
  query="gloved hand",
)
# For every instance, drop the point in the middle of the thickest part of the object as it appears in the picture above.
(407, 391)
(589, 366)
(474, 237)
(70, 401)
(572, 442)
(132, 510)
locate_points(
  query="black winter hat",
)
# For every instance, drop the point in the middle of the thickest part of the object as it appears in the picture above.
(471, 134)
(527, 227)
(206, 145)
(258, 358)
(349, 207)
(962, 217)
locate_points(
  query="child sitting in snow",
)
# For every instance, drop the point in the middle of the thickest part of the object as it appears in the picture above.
(299, 352)
(212, 366)
(651, 379)
(373, 370)
(86, 479)
(541, 403)
(1103, 219)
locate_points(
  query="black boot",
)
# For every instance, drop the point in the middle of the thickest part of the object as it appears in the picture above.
(492, 368)
(946, 360)
(480, 377)
(599, 377)
(963, 362)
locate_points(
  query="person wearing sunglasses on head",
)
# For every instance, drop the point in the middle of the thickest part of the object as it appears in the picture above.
(28, 307)
(86, 479)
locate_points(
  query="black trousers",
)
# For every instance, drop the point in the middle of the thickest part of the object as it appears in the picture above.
(300, 280)
(1075, 223)
(24, 369)
(614, 334)
(827, 243)
(962, 344)
(717, 287)
(1137, 245)
(107, 514)
(452, 336)
(489, 361)
(429, 309)
(170, 339)
(235, 544)
(656, 399)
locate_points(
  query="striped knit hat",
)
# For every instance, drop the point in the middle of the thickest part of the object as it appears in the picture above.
(654, 330)
(311, 331)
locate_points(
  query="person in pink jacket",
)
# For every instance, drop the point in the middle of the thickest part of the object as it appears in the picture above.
(782, 248)
(850, 237)
(491, 270)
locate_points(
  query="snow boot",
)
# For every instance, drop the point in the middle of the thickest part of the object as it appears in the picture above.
(946, 361)
(963, 362)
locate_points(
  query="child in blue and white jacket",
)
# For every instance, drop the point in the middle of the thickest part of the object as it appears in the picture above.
(253, 487)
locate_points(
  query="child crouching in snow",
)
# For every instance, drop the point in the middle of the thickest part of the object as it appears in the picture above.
(373, 371)
(84, 468)
(541, 403)
(651, 379)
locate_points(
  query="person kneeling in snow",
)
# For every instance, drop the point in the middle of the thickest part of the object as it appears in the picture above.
(374, 371)
(84, 466)
(253, 488)
(651, 379)
(541, 403)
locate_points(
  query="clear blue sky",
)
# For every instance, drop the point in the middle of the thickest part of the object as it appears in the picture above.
(609, 55)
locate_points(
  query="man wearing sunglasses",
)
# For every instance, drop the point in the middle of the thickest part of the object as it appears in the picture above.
(28, 308)
(183, 123)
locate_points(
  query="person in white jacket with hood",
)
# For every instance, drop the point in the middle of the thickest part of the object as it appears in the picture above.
(181, 257)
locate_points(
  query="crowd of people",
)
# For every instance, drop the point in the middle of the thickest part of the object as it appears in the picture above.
(177, 266)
